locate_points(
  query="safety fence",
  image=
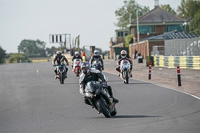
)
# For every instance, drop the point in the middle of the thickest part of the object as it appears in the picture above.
(192, 62)
(182, 47)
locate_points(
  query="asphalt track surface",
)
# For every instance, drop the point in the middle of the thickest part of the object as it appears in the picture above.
(32, 101)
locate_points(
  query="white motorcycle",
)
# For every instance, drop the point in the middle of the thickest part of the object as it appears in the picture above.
(125, 71)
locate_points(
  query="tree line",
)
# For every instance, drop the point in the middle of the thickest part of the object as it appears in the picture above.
(27, 49)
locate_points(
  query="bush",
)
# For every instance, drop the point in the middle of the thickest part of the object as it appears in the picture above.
(18, 58)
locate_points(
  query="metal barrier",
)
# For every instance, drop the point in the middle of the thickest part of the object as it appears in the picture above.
(192, 62)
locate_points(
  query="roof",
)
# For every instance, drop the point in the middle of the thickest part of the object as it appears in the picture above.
(158, 15)
(171, 35)
(122, 30)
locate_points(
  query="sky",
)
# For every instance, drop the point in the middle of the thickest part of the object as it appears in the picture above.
(93, 20)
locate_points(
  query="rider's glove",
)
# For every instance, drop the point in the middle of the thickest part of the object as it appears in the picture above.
(82, 91)
(104, 84)
(102, 68)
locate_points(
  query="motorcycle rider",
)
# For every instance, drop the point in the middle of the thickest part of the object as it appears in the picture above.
(91, 74)
(124, 55)
(97, 56)
(76, 56)
(59, 58)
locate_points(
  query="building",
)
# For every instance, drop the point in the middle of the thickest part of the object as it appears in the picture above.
(156, 22)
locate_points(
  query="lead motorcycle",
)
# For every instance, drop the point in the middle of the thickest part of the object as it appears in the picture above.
(125, 71)
(94, 94)
(77, 67)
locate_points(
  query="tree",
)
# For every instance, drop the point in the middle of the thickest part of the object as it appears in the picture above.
(50, 51)
(129, 8)
(168, 8)
(32, 48)
(128, 40)
(182, 9)
(195, 25)
(2, 55)
(188, 8)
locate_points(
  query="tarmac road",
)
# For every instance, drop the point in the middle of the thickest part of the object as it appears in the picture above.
(32, 101)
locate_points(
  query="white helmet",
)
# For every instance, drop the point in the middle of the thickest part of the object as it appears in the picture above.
(58, 53)
(123, 53)
(76, 53)
(96, 52)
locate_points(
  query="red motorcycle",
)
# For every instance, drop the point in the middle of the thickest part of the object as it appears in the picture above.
(77, 67)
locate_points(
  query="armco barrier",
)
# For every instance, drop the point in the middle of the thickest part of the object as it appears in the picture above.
(192, 62)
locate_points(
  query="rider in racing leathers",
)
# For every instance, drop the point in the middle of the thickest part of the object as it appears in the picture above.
(59, 58)
(122, 56)
(91, 74)
(97, 56)
(76, 56)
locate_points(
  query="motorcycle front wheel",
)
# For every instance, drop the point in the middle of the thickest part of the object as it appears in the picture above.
(102, 108)
(61, 78)
(127, 78)
(78, 72)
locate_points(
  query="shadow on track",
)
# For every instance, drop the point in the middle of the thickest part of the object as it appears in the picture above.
(133, 116)
(140, 83)
(115, 80)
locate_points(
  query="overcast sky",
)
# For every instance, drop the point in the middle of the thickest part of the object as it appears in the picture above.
(93, 20)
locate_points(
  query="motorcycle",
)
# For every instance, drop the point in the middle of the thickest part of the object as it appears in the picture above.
(61, 70)
(99, 101)
(77, 67)
(97, 65)
(125, 71)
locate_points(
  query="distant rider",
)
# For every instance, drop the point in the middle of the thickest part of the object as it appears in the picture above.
(91, 74)
(97, 56)
(76, 56)
(59, 58)
(123, 55)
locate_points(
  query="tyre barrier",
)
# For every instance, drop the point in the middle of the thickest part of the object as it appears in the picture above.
(191, 62)
(46, 60)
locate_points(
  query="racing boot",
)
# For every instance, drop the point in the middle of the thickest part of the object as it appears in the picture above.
(115, 100)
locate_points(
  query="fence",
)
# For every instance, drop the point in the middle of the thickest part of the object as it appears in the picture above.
(182, 47)
(192, 62)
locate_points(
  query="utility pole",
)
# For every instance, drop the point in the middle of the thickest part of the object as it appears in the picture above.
(137, 28)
